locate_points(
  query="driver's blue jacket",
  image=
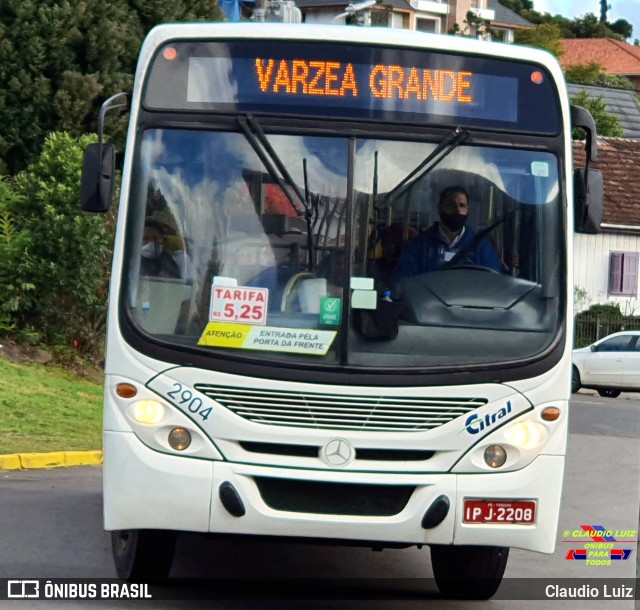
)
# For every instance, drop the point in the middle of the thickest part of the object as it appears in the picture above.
(430, 250)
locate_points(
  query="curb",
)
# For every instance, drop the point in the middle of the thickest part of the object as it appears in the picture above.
(56, 459)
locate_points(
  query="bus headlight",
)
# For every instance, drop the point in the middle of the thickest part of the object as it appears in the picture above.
(526, 434)
(147, 411)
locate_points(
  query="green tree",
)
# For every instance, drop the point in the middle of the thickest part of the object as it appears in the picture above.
(589, 26)
(14, 288)
(606, 123)
(518, 6)
(622, 27)
(544, 36)
(594, 74)
(55, 258)
(476, 26)
(604, 7)
(60, 58)
(584, 74)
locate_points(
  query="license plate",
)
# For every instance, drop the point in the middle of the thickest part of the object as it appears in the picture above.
(499, 511)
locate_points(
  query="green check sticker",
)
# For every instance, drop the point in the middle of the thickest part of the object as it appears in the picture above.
(330, 308)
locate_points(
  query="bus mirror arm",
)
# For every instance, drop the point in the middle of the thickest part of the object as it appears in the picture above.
(98, 168)
(582, 118)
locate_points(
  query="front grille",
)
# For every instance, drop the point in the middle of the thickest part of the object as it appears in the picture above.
(334, 498)
(394, 455)
(281, 449)
(380, 455)
(340, 412)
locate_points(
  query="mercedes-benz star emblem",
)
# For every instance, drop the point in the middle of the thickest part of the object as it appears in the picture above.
(337, 452)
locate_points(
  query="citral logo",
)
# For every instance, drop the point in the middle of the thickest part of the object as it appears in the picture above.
(475, 424)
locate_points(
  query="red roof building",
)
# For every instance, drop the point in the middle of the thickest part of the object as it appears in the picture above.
(615, 56)
(619, 162)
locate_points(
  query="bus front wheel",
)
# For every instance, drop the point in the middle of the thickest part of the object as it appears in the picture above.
(143, 554)
(468, 572)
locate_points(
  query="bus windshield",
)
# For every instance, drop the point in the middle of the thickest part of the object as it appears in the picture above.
(228, 259)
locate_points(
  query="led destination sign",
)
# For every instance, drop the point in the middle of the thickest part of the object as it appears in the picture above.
(349, 81)
(347, 85)
(334, 78)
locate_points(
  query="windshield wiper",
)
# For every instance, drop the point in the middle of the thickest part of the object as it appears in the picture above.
(456, 137)
(271, 160)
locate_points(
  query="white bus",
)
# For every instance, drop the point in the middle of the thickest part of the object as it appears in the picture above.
(269, 371)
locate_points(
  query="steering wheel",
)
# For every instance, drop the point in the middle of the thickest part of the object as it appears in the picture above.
(291, 289)
(468, 266)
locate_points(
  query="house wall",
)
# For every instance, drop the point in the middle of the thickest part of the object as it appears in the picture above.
(396, 19)
(324, 17)
(591, 268)
(458, 10)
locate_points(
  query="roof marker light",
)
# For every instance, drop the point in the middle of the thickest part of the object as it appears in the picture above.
(169, 53)
(537, 77)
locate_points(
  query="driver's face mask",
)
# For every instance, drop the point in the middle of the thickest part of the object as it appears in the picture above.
(454, 222)
(453, 211)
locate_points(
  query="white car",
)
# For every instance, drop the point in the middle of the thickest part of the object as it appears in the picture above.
(609, 365)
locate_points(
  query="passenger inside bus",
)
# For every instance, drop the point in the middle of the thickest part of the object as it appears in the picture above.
(448, 241)
(157, 260)
(332, 269)
(387, 254)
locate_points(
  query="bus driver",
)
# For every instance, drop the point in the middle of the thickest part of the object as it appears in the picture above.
(440, 243)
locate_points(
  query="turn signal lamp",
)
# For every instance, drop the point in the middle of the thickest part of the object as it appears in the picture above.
(495, 456)
(147, 411)
(179, 439)
(525, 434)
(550, 414)
(126, 390)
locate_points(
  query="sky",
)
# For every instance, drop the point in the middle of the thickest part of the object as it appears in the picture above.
(620, 9)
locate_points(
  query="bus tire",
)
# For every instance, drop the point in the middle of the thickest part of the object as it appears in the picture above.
(143, 554)
(468, 572)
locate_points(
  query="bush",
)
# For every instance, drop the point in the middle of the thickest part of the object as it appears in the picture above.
(602, 320)
(607, 124)
(54, 259)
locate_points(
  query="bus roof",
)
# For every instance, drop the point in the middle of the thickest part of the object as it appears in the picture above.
(340, 33)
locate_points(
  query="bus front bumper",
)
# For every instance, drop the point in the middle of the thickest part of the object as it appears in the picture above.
(145, 489)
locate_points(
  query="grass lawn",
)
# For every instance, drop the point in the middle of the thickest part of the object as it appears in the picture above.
(46, 408)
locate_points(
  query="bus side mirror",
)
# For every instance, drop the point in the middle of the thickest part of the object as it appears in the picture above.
(96, 187)
(588, 189)
(98, 168)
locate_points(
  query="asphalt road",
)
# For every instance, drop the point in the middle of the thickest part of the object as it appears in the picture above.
(50, 526)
